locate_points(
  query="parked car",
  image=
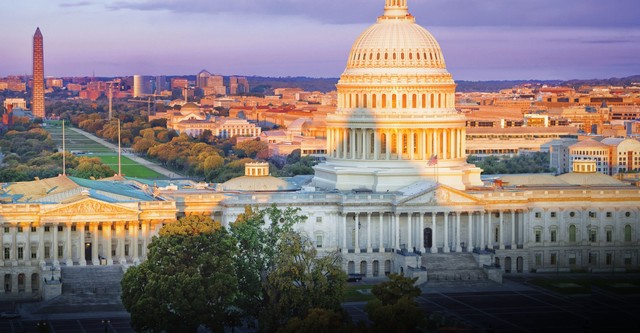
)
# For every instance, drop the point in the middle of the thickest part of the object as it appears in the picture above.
(9, 315)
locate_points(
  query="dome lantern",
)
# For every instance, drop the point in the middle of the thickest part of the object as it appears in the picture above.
(396, 9)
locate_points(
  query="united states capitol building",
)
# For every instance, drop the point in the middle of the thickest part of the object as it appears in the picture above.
(394, 194)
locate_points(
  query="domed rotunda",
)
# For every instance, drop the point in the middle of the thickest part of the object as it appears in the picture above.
(396, 122)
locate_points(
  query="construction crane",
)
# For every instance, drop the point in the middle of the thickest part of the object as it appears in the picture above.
(148, 101)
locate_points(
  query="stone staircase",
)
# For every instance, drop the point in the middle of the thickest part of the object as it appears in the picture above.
(91, 279)
(453, 267)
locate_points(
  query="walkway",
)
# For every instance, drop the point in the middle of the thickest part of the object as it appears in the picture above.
(135, 158)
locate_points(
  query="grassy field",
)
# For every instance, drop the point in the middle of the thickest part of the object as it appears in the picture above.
(129, 167)
(83, 146)
(358, 293)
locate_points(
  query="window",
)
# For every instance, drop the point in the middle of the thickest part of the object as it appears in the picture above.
(554, 259)
(538, 259)
(60, 250)
(553, 214)
(554, 234)
(592, 215)
(497, 235)
(34, 253)
(627, 214)
(126, 249)
(538, 236)
(20, 253)
(572, 233)
(7, 253)
(73, 228)
(538, 215)
(609, 259)
(86, 228)
(593, 236)
(47, 229)
(33, 229)
(572, 261)
(99, 228)
(593, 258)
(319, 240)
(20, 229)
(60, 228)
(609, 214)
(609, 236)
(47, 252)
(6, 230)
(319, 219)
(627, 233)
(572, 214)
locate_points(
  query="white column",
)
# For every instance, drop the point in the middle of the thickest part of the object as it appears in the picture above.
(412, 144)
(421, 234)
(145, 238)
(67, 245)
(388, 145)
(364, 143)
(376, 145)
(13, 255)
(82, 261)
(135, 241)
(396, 231)
(120, 237)
(500, 232)
(409, 232)
(445, 144)
(458, 246)
(434, 234)
(356, 228)
(107, 237)
(369, 233)
(344, 232)
(513, 230)
(447, 249)
(54, 245)
(483, 244)
(27, 250)
(41, 244)
(470, 217)
(352, 143)
(381, 245)
(95, 243)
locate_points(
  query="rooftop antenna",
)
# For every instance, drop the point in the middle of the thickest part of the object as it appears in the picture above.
(64, 152)
(119, 152)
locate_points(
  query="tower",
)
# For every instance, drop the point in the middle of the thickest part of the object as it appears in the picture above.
(37, 94)
(396, 122)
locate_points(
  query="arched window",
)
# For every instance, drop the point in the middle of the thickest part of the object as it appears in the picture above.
(378, 56)
(394, 101)
(383, 143)
(386, 56)
(357, 100)
(572, 233)
(439, 100)
(364, 101)
(372, 142)
(424, 101)
(404, 101)
(418, 55)
(432, 101)
(394, 143)
(384, 101)
(414, 101)
(374, 101)
(405, 143)
(627, 233)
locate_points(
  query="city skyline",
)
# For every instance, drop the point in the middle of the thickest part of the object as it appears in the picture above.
(487, 40)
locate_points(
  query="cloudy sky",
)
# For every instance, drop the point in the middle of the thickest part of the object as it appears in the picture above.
(481, 39)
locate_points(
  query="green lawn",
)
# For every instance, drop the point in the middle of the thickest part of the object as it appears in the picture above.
(358, 293)
(130, 168)
(76, 142)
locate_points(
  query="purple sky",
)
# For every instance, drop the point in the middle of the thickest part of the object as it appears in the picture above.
(481, 39)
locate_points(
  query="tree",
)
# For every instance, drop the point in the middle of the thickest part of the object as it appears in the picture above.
(300, 281)
(186, 280)
(394, 308)
(257, 249)
(89, 167)
(321, 321)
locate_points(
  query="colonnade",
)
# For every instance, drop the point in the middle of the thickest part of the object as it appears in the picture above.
(396, 144)
(373, 100)
(435, 231)
(31, 245)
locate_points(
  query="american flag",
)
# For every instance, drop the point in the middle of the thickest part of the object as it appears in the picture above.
(433, 160)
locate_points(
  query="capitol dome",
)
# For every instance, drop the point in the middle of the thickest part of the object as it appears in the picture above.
(396, 41)
(396, 121)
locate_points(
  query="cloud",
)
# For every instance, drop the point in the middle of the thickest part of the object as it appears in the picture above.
(76, 4)
(597, 13)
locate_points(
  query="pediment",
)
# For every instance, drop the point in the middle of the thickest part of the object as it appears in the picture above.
(90, 206)
(441, 196)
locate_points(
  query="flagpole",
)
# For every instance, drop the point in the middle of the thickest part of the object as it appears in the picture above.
(64, 153)
(119, 152)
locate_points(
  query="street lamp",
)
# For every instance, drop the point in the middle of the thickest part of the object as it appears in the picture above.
(106, 323)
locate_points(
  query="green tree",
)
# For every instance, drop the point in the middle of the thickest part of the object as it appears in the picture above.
(321, 321)
(88, 167)
(300, 281)
(186, 280)
(394, 308)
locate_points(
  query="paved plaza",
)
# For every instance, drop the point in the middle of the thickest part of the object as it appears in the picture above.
(515, 306)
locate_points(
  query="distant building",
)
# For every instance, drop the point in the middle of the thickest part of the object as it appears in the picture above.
(37, 95)
(238, 85)
(142, 85)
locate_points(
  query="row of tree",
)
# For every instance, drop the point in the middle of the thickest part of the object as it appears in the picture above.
(526, 163)
(258, 273)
